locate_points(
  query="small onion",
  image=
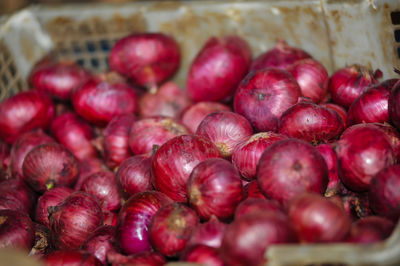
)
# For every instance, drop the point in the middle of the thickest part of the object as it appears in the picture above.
(70, 258)
(254, 205)
(87, 168)
(204, 255)
(370, 229)
(252, 190)
(16, 195)
(16, 230)
(209, 233)
(100, 242)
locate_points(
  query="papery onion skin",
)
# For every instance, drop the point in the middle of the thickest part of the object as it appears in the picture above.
(205, 255)
(339, 110)
(16, 230)
(290, 167)
(394, 106)
(362, 152)
(74, 219)
(49, 165)
(4, 160)
(110, 218)
(315, 219)
(134, 218)
(171, 173)
(88, 167)
(312, 78)
(254, 205)
(70, 258)
(370, 229)
(225, 130)
(209, 233)
(170, 228)
(311, 123)
(193, 115)
(356, 205)
(147, 258)
(41, 245)
(218, 68)
(252, 190)
(214, 188)
(23, 112)
(147, 132)
(134, 175)
(100, 242)
(16, 195)
(75, 134)
(264, 95)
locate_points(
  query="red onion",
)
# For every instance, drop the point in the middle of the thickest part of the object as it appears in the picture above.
(254, 205)
(193, 115)
(168, 101)
(102, 97)
(75, 134)
(311, 122)
(100, 242)
(134, 218)
(49, 165)
(281, 56)
(394, 105)
(316, 219)
(209, 233)
(214, 188)
(58, 79)
(16, 230)
(4, 160)
(74, 219)
(87, 168)
(16, 195)
(134, 175)
(335, 186)
(289, 167)
(41, 245)
(146, 258)
(384, 193)
(247, 239)
(370, 229)
(147, 132)
(171, 227)
(103, 185)
(362, 152)
(174, 161)
(147, 58)
(393, 135)
(312, 78)
(110, 218)
(347, 83)
(70, 258)
(48, 199)
(218, 68)
(338, 109)
(201, 254)
(356, 205)
(264, 95)
(252, 190)
(116, 135)
(225, 129)
(23, 145)
(23, 112)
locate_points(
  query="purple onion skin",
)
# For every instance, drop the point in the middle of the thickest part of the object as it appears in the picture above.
(393, 135)
(100, 242)
(394, 105)
(255, 205)
(311, 123)
(252, 190)
(16, 230)
(290, 167)
(87, 168)
(384, 194)
(205, 255)
(70, 258)
(370, 229)
(264, 95)
(134, 219)
(209, 233)
(16, 195)
(146, 258)
(362, 151)
(338, 109)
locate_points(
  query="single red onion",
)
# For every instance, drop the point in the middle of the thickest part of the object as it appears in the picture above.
(264, 95)
(41, 243)
(168, 101)
(134, 219)
(74, 219)
(48, 199)
(146, 258)
(102, 97)
(134, 175)
(209, 233)
(356, 205)
(5, 158)
(214, 188)
(348, 83)
(16, 195)
(394, 105)
(247, 239)
(49, 165)
(384, 193)
(311, 122)
(194, 114)
(370, 229)
(174, 161)
(312, 78)
(100, 242)
(110, 218)
(218, 68)
(87, 168)
(289, 167)
(393, 135)
(225, 129)
(147, 132)
(70, 258)
(171, 227)
(362, 152)
(281, 56)
(16, 230)
(254, 205)
(75, 134)
(335, 186)
(23, 145)
(338, 109)
(58, 79)
(252, 190)
(202, 254)
(316, 219)
(23, 112)
(147, 58)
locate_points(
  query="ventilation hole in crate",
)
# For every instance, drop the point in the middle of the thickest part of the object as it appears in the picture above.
(91, 47)
(397, 35)
(76, 48)
(95, 63)
(104, 45)
(398, 52)
(13, 70)
(395, 17)
(4, 79)
(80, 62)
